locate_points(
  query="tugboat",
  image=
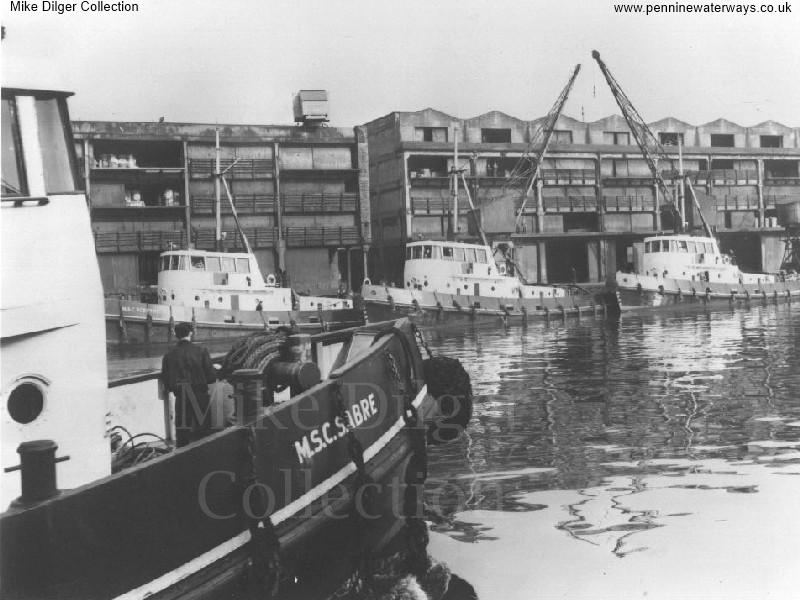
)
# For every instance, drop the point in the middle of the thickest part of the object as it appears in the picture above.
(288, 487)
(682, 268)
(224, 295)
(455, 280)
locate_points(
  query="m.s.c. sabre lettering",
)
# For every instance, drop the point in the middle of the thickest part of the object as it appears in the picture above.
(326, 434)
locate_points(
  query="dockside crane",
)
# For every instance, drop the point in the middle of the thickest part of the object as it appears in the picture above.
(651, 148)
(526, 171)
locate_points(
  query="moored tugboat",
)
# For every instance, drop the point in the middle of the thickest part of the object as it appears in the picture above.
(287, 487)
(447, 281)
(681, 269)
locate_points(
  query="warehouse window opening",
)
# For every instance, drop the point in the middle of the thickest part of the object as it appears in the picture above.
(496, 136)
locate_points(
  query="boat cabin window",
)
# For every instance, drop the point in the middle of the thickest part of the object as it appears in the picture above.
(709, 248)
(242, 265)
(228, 264)
(692, 247)
(408, 253)
(460, 254)
(213, 264)
(447, 252)
(172, 262)
(416, 252)
(471, 256)
(652, 247)
(683, 246)
(198, 263)
(59, 175)
(427, 251)
(481, 255)
(13, 181)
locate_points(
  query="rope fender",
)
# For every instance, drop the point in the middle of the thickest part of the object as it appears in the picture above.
(449, 384)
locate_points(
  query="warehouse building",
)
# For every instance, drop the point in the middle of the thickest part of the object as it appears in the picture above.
(595, 200)
(301, 194)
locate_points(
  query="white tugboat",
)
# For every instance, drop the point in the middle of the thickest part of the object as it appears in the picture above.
(680, 268)
(224, 295)
(449, 280)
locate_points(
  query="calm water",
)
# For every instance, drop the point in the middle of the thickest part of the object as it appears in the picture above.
(656, 456)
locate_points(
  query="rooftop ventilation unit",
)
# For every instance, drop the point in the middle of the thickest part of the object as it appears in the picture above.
(311, 107)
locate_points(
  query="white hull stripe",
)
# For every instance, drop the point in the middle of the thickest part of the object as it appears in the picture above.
(278, 517)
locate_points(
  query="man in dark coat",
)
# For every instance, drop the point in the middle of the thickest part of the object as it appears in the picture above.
(186, 371)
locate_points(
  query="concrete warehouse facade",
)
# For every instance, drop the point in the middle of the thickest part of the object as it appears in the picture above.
(595, 200)
(301, 193)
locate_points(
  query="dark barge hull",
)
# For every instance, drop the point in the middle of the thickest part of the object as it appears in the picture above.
(178, 526)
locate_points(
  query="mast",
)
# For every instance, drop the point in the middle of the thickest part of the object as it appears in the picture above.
(217, 194)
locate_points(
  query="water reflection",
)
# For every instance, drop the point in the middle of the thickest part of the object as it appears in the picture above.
(618, 436)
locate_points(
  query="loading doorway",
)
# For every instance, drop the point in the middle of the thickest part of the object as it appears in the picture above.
(746, 250)
(567, 261)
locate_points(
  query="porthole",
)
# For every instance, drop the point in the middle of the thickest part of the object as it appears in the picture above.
(172, 296)
(492, 288)
(219, 299)
(25, 402)
(426, 284)
(197, 297)
(465, 286)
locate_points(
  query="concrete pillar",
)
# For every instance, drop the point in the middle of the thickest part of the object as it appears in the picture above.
(280, 244)
(365, 255)
(593, 259)
(349, 252)
(542, 261)
(657, 211)
(406, 202)
(602, 260)
(186, 199)
(760, 192)
(539, 206)
(598, 195)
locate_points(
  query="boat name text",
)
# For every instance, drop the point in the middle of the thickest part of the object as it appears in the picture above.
(326, 434)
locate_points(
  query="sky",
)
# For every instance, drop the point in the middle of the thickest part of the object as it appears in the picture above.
(240, 61)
